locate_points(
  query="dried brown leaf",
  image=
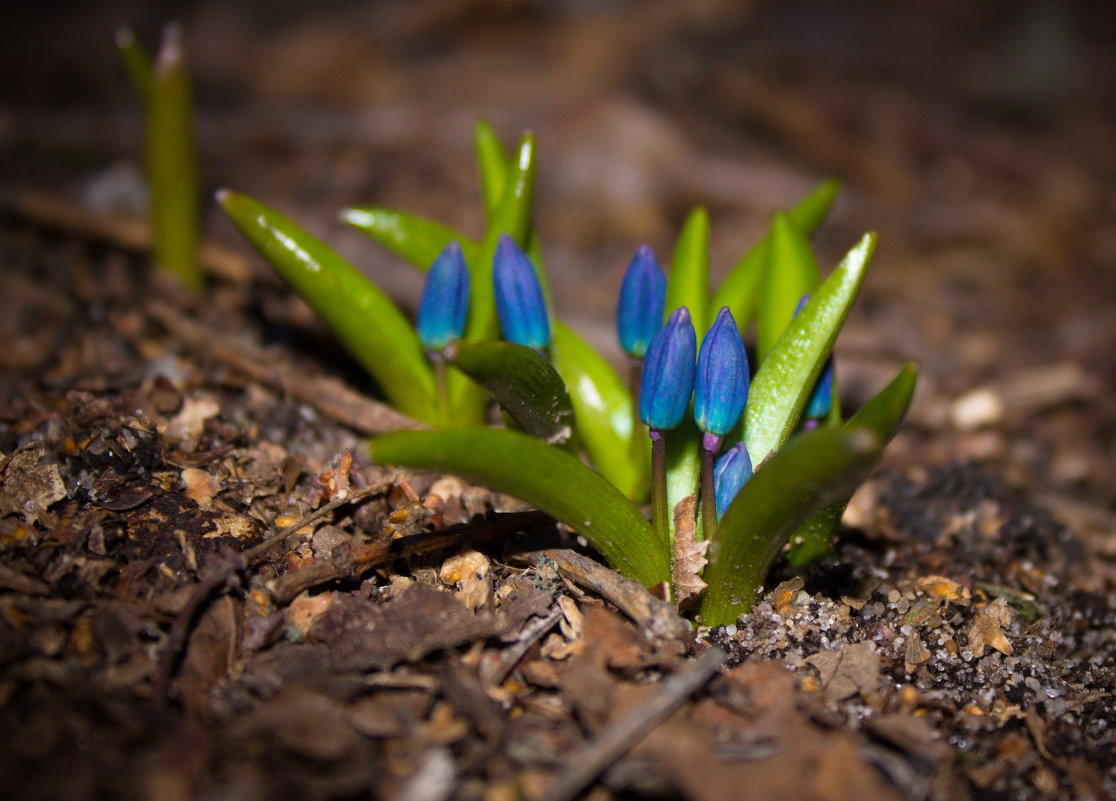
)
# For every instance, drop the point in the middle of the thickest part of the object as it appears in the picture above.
(689, 553)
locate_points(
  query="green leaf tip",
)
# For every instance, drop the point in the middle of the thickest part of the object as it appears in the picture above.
(784, 381)
(522, 382)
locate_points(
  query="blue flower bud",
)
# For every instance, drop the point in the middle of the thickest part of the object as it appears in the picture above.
(445, 299)
(722, 377)
(519, 297)
(733, 470)
(821, 399)
(668, 373)
(639, 314)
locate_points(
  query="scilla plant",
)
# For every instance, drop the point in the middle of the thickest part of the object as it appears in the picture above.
(736, 465)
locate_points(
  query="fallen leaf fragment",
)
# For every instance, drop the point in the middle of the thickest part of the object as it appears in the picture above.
(851, 670)
(27, 487)
(987, 628)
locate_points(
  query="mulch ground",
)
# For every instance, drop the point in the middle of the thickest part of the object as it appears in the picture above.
(207, 591)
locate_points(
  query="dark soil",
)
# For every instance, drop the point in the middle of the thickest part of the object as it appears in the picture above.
(420, 639)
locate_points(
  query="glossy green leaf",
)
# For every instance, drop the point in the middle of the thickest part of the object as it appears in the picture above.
(548, 477)
(792, 271)
(417, 239)
(784, 381)
(522, 382)
(688, 282)
(602, 411)
(493, 163)
(810, 472)
(171, 172)
(883, 415)
(367, 322)
(136, 61)
(741, 287)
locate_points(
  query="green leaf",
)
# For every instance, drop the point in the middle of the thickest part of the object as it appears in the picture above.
(367, 322)
(688, 282)
(792, 271)
(882, 414)
(417, 239)
(513, 217)
(602, 411)
(522, 382)
(784, 381)
(171, 172)
(494, 165)
(741, 287)
(548, 477)
(136, 61)
(802, 478)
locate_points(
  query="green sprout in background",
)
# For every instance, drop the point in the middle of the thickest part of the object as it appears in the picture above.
(172, 182)
(745, 462)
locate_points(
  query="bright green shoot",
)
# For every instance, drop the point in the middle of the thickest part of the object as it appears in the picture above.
(164, 88)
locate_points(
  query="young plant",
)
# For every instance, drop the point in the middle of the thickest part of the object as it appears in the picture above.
(172, 182)
(562, 398)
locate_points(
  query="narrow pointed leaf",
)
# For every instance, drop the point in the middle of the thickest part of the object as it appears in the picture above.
(688, 283)
(171, 171)
(792, 271)
(882, 414)
(809, 473)
(493, 163)
(136, 61)
(417, 239)
(367, 322)
(548, 477)
(522, 382)
(741, 287)
(602, 411)
(784, 381)
(512, 217)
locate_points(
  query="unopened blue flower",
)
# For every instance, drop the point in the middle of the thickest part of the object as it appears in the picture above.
(519, 298)
(821, 399)
(721, 388)
(733, 470)
(639, 314)
(668, 373)
(445, 299)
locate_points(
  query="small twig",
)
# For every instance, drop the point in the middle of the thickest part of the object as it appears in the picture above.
(528, 636)
(125, 233)
(611, 743)
(328, 395)
(657, 619)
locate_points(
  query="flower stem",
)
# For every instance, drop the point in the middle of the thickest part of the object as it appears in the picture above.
(659, 511)
(709, 445)
(438, 360)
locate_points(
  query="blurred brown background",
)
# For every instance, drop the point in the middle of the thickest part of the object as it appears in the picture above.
(976, 138)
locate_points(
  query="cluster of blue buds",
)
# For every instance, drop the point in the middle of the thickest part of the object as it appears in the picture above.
(718, 382)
